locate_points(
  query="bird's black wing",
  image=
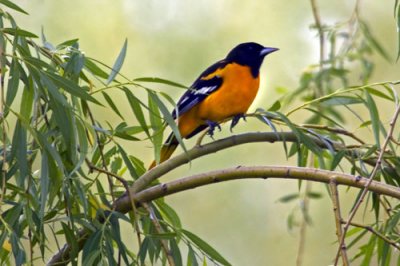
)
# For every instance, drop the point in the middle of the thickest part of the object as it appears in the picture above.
(200, 89)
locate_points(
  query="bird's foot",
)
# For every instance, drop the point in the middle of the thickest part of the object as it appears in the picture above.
(236, 119)
(211, 127)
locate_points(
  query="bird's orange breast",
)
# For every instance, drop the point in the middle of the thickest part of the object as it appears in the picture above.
(236, 94)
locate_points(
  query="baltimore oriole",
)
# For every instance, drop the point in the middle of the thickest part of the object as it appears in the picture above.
(225, 89)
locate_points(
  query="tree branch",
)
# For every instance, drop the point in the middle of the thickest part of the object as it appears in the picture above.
(264, 172)
(235, 173)
(338, 219)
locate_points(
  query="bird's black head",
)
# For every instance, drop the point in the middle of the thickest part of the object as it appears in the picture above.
(250, 54)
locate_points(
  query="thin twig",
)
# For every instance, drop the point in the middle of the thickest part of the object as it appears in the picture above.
(318, 24)
(103, 160)
(369, 228)
(157, 226)
(4, 168)
(371, 177)
(126, 186)
(338, 219)
(305, 202)
(334, 130)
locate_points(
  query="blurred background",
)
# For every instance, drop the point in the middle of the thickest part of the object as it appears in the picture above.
(177, 40)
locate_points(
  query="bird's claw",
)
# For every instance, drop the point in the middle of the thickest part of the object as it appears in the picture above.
(211, 127)
(236, 119)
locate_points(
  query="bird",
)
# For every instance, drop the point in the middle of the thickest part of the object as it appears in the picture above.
(224, 90)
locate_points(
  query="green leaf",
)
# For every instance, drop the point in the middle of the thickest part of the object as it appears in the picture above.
(176, 253)
(288, 198)
(337, 158)
(369, 251)
(83, 145)
(302, 138)
(206, 248)
(94, 69)
(13, 6)
(275, 107)
(156, 124)
(143, 250)
(112, 105)
(169, 235)
(91, 252)
(44, 185)
(341, 100)
(372, 40)
(52, 90)
(19, 32)
(191, 258)
(71, 87)
(51, 150)
(380, 94)
(128, 163)
(169, 119)
(71, 240)
(135, 104)
(314, 195)
(118, 63)
(27, 103)
(373, 111)
(170, 214)
(19, 148)
(13, 82)
(161, 81)
(115, 232)
(67, 44)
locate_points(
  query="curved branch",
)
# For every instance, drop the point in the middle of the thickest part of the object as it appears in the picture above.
(264, 172)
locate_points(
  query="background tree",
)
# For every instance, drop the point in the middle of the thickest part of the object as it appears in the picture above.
(67, 176)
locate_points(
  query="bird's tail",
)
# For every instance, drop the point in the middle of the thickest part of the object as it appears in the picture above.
(167, 149)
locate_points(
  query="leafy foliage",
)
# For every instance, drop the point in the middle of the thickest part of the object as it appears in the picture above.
(56, 152)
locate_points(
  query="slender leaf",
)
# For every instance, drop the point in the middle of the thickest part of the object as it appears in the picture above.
(191, 258)
(118, 63)
(112, 105)
(44, 185)
(128, 163)
(169, 119)
(337, 158)
(91, 252)
(94, 69)
(135, 104)
(373, 41)
(289, 197)
(206, 248)
(13, 82)
(161, 81)
(373, 111)
(19, 148)
(71, 87)
(19, 32)
(170, 214)
(176, 253)
(13, 6)
(156, 124)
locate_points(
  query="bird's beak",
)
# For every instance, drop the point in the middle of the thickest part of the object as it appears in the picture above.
(268, 50)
